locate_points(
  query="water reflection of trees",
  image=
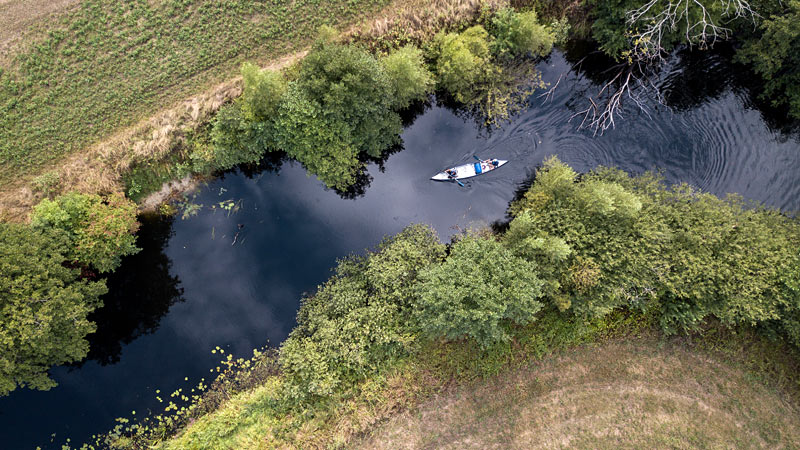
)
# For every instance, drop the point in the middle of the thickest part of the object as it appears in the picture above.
(687, 80)
(140, 294)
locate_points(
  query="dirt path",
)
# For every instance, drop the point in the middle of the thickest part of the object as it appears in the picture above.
(617, 395)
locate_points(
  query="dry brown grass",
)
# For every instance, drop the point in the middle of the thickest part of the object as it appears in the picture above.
(417, 21)
(642, 393)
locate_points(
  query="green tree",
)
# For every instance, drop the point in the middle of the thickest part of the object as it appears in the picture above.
(349, 85)
(43, 306)
(234, 140)
(591, 238)
(774, 56)
(478, 292)
(517, 34)
(463, 64)
(322, 142)
(613, 241)
(409, 78)
(101, 229)
(262, 92)
(359, 318)
(339, 107)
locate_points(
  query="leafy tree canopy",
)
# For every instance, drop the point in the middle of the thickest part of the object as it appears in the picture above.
(101, 229)
(463, 62)
(478, 292)
(262, 92)
(340, 106)
(358, 319)
(234, 140)
(409, 78)
(43, 306)
(775, 57)
(517, 34)
(349, 85)
(613, 241)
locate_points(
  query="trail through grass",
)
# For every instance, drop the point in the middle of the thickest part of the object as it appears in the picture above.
(105, 65)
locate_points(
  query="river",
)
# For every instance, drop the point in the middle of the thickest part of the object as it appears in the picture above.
(233, 274)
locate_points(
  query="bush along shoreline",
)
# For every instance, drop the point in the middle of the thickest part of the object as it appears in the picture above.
(338, 106)
(583, 258)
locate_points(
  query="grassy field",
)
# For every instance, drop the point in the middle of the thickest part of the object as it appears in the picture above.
(106, 65)
(611, 383)
(632, 394)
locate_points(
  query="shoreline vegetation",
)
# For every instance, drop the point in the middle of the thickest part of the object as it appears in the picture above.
(583, 259)
(337, 107)
(154, 145)
(596, 260)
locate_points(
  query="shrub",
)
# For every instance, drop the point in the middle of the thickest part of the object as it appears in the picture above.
(409, 78)
(479, 291)
(358, 319)
(234, 140)
(101, 230)
(519, 34)
(463, 62)
(43, 305)
(262, 93)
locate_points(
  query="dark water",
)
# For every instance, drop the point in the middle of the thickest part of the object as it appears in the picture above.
(234, 279)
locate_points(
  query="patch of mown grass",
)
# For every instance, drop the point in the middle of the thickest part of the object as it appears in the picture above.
(640, 391)
(553, 356)
(106, 65)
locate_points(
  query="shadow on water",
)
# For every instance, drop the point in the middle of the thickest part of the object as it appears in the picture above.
(270, 163)
(140, 293)
(688, 79)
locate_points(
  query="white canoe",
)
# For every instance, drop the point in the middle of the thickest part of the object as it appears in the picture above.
(469, 170)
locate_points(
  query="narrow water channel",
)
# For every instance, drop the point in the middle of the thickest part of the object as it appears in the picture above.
(233, 275)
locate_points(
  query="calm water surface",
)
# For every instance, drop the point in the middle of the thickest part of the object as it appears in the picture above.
(235, 279)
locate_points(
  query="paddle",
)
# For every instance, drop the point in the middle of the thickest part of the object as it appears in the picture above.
(459, 183)
(476, 157)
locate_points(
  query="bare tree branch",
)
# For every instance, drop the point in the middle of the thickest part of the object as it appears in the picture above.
(649, 24)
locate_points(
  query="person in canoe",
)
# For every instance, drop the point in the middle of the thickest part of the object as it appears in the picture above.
(451, 173)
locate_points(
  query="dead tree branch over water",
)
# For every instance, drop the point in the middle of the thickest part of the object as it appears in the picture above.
(700, 22)
(652, 31)
(633, 83)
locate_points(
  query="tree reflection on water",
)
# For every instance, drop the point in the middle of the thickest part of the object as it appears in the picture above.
(140, 293)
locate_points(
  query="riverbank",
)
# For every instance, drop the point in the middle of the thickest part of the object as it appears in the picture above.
(557, 385)
(409, 320)
(71, 153)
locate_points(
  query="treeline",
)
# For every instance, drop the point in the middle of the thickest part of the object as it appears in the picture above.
(49, 282)
(578, 251)
(582, 246)
(340, 104)
(767, 33)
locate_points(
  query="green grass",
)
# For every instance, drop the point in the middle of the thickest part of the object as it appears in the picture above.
(106, 64)
(619, 369)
